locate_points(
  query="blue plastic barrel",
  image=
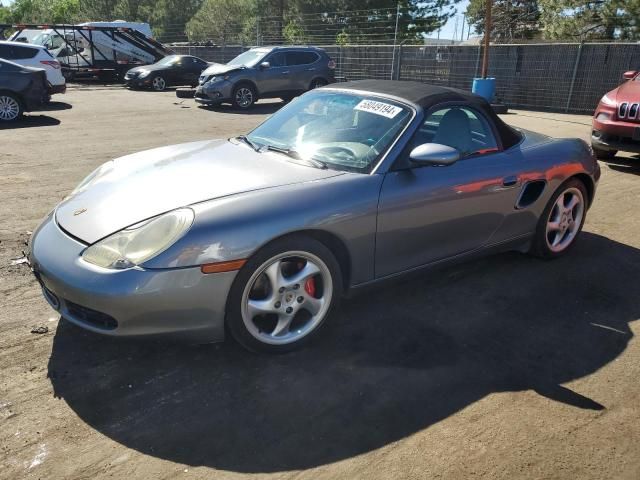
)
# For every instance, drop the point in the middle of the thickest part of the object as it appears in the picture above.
(485, 87)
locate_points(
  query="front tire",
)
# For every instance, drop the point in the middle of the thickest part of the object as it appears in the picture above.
(244, 96)
(561, 222)
(10, 107)
(158, 83)
(283, 295)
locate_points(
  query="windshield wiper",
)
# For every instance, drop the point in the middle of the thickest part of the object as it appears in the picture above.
(246, 140)
(296, 156)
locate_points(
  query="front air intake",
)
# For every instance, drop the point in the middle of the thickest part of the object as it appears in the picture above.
(622, 110)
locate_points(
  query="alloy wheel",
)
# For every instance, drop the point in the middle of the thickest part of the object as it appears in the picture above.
(159, 83)
(287, 297)
(244, 97)
(565, 219)
(9, 108)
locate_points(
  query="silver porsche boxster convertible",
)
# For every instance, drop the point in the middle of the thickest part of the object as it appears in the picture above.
(263, 233)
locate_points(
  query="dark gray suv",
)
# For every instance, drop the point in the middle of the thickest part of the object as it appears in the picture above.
(265, 72)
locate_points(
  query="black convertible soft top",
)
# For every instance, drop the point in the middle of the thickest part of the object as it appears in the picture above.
(426, 96)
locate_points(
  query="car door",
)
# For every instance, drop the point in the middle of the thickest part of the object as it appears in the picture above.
(276, 77)
(431, 213)
(302, 66)
(190, 71)
(174, 74)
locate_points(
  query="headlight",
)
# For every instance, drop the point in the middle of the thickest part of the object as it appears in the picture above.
(140, 242)
(213, 78)
(144, 73)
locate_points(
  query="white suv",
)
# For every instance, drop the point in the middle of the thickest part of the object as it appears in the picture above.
(35, 56)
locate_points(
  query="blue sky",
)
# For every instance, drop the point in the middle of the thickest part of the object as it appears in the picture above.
(448, 30)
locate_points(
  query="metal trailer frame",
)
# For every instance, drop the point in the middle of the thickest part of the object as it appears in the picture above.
(98, 64)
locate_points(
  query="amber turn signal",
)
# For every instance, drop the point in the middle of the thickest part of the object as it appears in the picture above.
(221, 267)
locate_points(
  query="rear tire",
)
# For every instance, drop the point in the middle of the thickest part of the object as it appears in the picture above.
(604, 154)
(561, 221)
(283, 295)
(11, 108)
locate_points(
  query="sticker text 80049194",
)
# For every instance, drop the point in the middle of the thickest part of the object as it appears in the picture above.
(379, 108)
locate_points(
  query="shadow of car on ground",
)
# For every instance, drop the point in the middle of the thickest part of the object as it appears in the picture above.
(388, 364)
(624, 164)
(54, 106)
(30, 120)
(266, 108)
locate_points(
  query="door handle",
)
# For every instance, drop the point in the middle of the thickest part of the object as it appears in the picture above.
(311, 69)
(511, 181)
(286, 72)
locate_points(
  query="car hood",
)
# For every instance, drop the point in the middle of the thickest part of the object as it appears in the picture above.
(628, 92)
(220, 68)
(142, 185)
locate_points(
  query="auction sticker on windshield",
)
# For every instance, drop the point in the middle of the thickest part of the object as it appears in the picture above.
(379, 108)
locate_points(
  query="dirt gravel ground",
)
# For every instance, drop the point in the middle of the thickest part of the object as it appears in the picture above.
(506, 367)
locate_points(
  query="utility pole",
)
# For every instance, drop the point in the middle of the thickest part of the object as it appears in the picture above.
(464, 18)
(455, 29)
(487, 36)
(395, 39)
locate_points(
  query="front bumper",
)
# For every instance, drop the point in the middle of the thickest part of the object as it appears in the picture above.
(608, 142)
(611, 134)
(212, 93)
(180, 302)
(137, 82)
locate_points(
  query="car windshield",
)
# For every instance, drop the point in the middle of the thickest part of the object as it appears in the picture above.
(249, 58)
(345, 131)
(168, 61)
(40, 39)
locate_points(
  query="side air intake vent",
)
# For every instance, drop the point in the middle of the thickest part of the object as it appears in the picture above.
(530, 193)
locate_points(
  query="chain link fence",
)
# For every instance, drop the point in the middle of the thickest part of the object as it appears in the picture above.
(566, 77)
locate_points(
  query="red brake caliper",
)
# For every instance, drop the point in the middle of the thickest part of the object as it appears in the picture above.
(310, 286)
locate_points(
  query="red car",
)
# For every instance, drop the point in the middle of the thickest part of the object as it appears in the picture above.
(616, 122)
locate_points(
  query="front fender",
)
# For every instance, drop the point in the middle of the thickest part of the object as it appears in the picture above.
(235, 227)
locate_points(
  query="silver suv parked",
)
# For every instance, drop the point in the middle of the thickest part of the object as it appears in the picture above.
(265, 72)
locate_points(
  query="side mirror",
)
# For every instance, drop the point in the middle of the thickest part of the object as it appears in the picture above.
(629, 75)
(265, 65)
(434, 154)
